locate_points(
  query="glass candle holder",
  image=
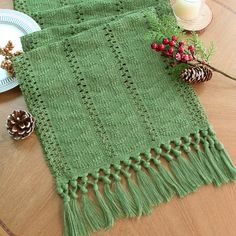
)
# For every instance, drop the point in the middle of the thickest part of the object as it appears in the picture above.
(187, 10)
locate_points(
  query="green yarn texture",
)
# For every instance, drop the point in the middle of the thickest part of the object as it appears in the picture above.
(118, 133)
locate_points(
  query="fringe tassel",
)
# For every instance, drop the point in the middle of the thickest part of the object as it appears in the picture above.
(147, 206)
(169, 180)
(188, 169)
(222, 158)
(207, 165)
(112, 202)
(230, 167)
(199, 166)
(147, 187)
(123, 198)
(219, 177)
(73, 220)
(207, 162)
(137, 197)
(106, 213)
(179, 170)
(70, 222)
(91, 213)
(165, 192)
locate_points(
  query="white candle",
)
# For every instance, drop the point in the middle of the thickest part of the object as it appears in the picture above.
(187, 9)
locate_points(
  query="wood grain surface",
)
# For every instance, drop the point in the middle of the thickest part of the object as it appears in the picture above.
(29, 205)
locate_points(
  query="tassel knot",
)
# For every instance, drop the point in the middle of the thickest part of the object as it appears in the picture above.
(196, 146)
(60, 190)
(177, 142)
(116, 177)
(176, 152)
(156, 161)
(137, 158)
(105, 179)
(73, 183)
(83, 189)
(211, 132)
(73, 194)
(66, 198)
(186, 139)
(146, 164)
(95, 187)
(158, 151)
(211, 142)
(197, 137)
(168, 157)
(167, 147)
(106, 171)
(219, 146)
(117, 167)
(126, 174)
(136, 167)
(204, 133)
(95, 175)
(127, 162)
(186, 148)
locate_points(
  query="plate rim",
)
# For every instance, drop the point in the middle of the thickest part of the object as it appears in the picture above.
(32, 26)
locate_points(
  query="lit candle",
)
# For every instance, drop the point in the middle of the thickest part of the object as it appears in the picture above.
(187, 9)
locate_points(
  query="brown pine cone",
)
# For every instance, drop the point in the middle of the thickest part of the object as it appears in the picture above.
(20, 124)
(196, 74)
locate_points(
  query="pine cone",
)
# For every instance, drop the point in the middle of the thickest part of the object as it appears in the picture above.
(20, 124)
(196, 74)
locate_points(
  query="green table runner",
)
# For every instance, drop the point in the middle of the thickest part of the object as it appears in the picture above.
(118, 133)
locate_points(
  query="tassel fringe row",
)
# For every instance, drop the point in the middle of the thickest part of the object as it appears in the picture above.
(133, 187)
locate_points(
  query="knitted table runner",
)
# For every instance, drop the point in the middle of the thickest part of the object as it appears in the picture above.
(118, 133)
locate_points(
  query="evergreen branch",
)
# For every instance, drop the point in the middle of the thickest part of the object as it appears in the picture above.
(164, 26)
(201, 52)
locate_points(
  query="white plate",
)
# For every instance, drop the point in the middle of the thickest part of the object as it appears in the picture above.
(13, 25)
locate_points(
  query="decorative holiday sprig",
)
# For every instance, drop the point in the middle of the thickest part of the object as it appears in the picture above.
(189, 57)
(194, 56)
(8, 54)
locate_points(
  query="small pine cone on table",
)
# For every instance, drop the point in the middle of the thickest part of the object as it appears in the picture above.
(20, 124)
(196, 74)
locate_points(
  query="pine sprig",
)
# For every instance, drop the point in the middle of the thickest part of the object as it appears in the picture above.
(161, 27)
(211, 51)
(202, 53)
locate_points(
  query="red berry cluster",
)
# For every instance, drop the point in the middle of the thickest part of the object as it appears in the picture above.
(172, 48)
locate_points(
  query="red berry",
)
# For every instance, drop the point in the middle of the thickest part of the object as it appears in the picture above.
(174, 38)
(154, 45)
(190, 57)
(165, 41)
(178, 56)
(181, 49)
(172, 43)
(161, 47)
(182, 43)
(191, 48)
(186, 57)
(171, 50)
(166, 53)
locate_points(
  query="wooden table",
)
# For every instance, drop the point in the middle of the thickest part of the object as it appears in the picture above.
(29, 205)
